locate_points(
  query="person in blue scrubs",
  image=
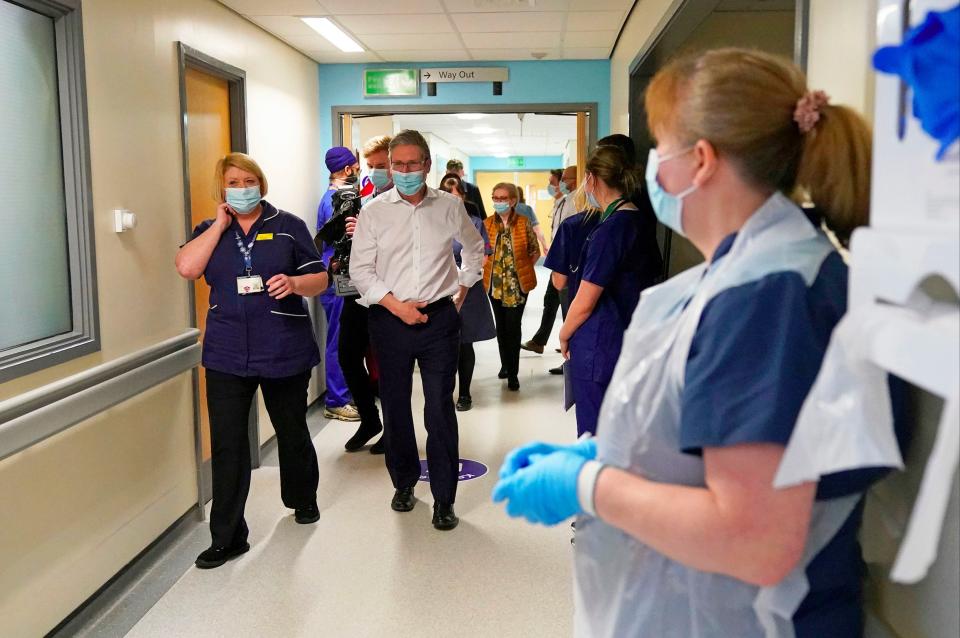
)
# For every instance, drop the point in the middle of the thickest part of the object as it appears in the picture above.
(682, 533)
(260, 263)
(344, 171)
(607, 259)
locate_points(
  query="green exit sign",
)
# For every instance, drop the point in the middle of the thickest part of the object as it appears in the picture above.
(391, 83)
(515, 162)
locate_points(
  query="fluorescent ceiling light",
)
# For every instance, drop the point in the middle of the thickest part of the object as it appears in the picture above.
(502, 155)
(334, 34)
(471, 116)
(482, 130)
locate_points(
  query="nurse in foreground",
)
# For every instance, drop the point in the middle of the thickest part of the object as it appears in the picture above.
(682, 534)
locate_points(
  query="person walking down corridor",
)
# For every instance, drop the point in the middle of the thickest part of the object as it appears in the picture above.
(260, 263)
(401, 262)
(476, 319)
(344, 173)
(509, 276)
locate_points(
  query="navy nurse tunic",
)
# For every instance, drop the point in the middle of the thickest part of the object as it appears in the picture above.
(257, 335)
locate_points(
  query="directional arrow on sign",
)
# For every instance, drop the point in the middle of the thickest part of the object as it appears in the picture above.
(427, 75)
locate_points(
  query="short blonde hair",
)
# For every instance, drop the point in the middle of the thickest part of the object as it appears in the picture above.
(236, 160)
(376, 144)
(743, 102)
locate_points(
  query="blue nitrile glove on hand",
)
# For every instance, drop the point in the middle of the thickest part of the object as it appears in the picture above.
(544, 489)
(520, 457)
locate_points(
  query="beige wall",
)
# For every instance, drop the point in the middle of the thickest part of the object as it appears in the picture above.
(80, 505)
(842, 40)
(639, 28)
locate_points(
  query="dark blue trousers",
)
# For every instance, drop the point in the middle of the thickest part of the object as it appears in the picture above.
(434, 347)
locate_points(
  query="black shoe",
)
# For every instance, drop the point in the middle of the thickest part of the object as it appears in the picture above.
(464, 404)
(307, 515)
(513, 384)
(557, 370)
(364, 434)
(443, 517)
(403, 500)
(216, 556)
(502, 374)
(377, 448)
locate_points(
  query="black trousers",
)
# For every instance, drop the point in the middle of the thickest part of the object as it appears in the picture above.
(433, 346)
(509, 322)
(228, 402)
(352, 349)
(552, 300)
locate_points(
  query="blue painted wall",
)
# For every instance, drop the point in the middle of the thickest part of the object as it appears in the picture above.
(544, 81)
(530, 162)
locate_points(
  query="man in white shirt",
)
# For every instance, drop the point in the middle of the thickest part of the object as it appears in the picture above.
(402, 263)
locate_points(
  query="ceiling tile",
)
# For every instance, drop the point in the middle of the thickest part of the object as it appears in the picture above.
(377, 7)
(275, 7)
(394, 24)
(411, 41)
(582, 39)
(511, 40)
(426, 56)
(595, 20)
(494, 22)
(586, 53)
(601, 5)
(284, 25)
(513, 54)
(488, 6)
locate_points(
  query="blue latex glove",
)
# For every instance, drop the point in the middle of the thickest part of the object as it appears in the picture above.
(545, 491)
(520, 457)
(929, 61)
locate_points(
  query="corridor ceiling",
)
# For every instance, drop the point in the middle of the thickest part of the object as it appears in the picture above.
(446, 30)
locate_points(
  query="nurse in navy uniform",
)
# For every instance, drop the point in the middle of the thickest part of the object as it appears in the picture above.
(260, 263)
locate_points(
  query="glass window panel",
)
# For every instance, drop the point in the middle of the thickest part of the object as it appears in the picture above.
(34, 261)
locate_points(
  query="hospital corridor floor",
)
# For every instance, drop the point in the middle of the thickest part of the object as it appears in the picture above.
(365, 570)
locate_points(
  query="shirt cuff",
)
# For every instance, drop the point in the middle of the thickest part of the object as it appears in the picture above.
(587, 485)
(467, 279)
(376, 292)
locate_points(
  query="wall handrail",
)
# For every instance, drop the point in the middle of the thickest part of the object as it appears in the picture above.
(33, 416)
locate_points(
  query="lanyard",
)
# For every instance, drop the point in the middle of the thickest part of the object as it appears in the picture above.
(613, 207)
(246, 251)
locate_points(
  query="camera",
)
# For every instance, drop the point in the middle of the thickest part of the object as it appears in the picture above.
(346, 203)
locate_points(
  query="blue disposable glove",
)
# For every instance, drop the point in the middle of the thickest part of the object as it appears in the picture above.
(544, 491)
(520, 457)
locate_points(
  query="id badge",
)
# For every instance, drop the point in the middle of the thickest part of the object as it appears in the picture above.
(249, 285)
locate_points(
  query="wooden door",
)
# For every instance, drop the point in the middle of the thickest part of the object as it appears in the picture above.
(208, 139)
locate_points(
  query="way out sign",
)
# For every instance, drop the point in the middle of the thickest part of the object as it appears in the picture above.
(468, 470)
(465, 74)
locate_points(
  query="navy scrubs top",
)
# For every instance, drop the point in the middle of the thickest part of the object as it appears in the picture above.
(619, 254)
(257, 335)
(754, 357)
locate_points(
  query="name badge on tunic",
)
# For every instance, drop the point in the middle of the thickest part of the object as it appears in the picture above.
(249, 285)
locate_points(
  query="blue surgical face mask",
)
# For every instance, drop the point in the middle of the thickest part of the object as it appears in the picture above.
(552, 190)
(564, 188)
(380, 177)
(668, 207)
(501, 207)
(243, 200)
(408, 183)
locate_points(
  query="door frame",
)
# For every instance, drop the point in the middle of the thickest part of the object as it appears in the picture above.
(337, 112)
(190, 58)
